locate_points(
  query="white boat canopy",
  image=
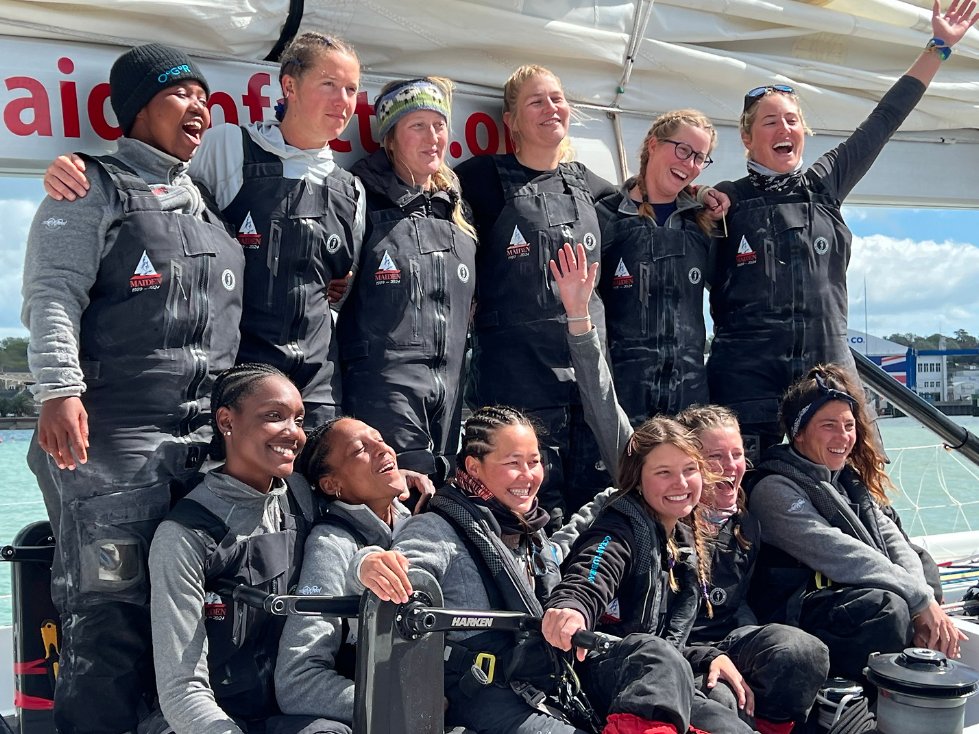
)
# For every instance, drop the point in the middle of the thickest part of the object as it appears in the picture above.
(634, 58)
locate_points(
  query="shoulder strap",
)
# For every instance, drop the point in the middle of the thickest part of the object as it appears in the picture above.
(489, 548)
(817, 494)
(573, 174)
(133, 191)
(194, 516)
(339, 521)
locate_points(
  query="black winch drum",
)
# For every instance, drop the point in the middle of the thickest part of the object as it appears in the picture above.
(920, 690)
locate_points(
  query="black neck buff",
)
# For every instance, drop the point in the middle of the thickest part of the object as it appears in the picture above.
(766, 179)
(510, 523)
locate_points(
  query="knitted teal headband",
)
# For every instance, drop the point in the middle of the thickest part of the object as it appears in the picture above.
(409, 96)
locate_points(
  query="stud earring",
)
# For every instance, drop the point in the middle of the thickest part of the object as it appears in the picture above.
(227, 433)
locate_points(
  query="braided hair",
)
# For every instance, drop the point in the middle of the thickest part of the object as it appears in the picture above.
(663, 127)
(312, 462)
(655, 432)
(478, 432)
(229, 388)
(701, 418)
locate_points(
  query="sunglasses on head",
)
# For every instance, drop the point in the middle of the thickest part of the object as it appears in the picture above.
(753, 95)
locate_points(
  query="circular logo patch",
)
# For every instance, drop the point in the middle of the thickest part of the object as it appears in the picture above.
(695, 275)
(463, 273)
(228, 280)
(821, 245)
(717, 596)
(333, 243)
(589, 241)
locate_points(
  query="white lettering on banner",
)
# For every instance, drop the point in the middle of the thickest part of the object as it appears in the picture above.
(55, 98)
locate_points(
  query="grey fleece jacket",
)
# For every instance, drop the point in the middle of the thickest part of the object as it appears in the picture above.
(177, 556)
(608, 422)
(791, 523)
(305, 679)
(65, 247)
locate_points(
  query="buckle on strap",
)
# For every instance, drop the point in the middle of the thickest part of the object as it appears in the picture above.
(486, 661)
(822, 582)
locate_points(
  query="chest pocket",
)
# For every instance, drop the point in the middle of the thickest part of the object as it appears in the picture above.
(187, 288)
(321, 240)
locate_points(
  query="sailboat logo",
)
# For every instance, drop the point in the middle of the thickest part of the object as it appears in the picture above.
(247, 235)
(519, 247)
(145, 275)
(621, 278)
(745, 256)
(387, 272)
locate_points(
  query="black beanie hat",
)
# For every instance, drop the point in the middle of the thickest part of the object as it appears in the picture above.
(140, 73)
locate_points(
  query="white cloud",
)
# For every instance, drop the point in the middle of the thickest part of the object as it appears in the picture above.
(16, 214)
(914, 286)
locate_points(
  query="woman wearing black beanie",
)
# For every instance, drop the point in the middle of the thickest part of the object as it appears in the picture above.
(122, 292)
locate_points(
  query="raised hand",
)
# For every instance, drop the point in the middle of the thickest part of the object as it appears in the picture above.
(575, 280)
(952, 25)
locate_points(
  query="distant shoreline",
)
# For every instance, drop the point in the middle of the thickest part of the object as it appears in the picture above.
(18, 423)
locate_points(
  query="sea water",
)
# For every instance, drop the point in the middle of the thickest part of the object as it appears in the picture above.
(938, 490)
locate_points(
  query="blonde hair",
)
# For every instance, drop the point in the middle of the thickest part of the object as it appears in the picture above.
(655, 432)
(444, 179)
(702, 418)
(511, 92)
(749, 115)
(666, 126)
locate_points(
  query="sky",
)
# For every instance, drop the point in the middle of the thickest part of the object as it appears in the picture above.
(920, 266)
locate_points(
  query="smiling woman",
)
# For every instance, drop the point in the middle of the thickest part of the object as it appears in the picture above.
(403, 328)
(826, 541)
(241, 524)
(778, 281)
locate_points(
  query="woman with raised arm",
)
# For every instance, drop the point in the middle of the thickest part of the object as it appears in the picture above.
(782, 666)
(403, 329)
(778, 279)
(298, 217)
(526, 205)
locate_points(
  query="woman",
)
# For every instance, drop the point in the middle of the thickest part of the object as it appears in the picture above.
(488, 518)
(214, 658)
(831, 562)
(357, 472)
(783, 666)
(778, 284)
(403, 330)
(526, 205)
(298, 216)
(655, 240)
(124, 352)
(635, 571)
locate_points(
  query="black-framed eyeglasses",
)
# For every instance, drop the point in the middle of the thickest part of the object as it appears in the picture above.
(753, 95)
(684, 152)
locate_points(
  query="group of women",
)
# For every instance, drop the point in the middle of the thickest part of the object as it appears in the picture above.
(491, 251)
